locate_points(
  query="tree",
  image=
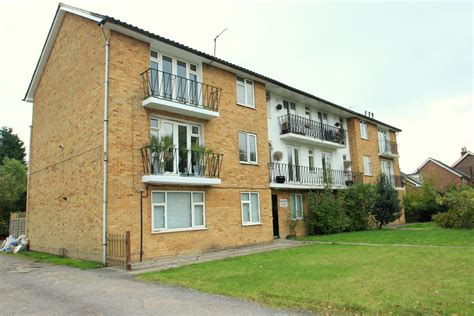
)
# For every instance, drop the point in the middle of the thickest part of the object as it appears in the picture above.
(359, 200)
(12, 190)
(386, 208)
(327, 214)
(11, 146)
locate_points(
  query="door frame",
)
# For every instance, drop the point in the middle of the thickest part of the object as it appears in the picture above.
(276, 224)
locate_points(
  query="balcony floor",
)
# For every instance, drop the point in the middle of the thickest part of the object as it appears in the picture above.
(311, 140)
(174, 179)
(180, 108)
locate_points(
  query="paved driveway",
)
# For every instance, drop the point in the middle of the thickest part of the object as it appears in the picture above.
(29, 288)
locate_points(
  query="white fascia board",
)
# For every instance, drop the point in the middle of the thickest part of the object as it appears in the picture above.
(461, 159)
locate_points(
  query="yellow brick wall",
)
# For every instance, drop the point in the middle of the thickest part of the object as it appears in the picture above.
(360, 147)
(129, 130)
(284, 213)
(65, 185)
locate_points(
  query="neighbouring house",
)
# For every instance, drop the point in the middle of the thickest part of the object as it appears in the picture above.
(465, 164)
(411, 181)
(135, 132)
(440, 174)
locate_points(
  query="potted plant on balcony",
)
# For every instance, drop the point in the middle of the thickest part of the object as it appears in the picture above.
(277, 156)
(199, 153)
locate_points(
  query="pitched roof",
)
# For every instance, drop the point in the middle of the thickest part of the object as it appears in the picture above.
(413, 178)
(457, 172)
(62, 8)
(468, 153)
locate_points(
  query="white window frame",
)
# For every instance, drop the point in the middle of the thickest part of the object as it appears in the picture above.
(364, 131)
(250, 208)
(367, 166)
(248, 161)
(300, 197)
(311, 154)
(165, 205)
(245, 92)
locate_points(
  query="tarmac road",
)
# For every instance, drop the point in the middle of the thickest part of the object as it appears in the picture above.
(34, 288)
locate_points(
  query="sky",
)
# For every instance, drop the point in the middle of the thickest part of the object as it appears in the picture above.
(408, 62)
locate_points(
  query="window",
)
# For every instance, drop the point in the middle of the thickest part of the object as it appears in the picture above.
(292, 106)
(364, 133)
(250, 208)
(323, 117)
(248, 148)
(245, 92)
(367, 166)
(307, 112)
(311, 160)
(326, 160)
(296, 206)
(177, 210)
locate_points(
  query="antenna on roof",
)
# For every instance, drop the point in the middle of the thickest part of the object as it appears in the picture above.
(215, 40)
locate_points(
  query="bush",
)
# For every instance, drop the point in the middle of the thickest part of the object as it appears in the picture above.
(460, 205)
(420, 205)
(326, 215)
(386, 208)
(358, 202)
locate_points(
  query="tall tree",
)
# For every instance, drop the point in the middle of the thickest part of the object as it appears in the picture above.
(11, 146)
(387, 207)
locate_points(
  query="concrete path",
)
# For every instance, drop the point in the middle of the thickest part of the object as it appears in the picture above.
(178, 261)
(31, 288)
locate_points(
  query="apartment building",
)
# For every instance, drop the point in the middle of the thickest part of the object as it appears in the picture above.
(134, 132)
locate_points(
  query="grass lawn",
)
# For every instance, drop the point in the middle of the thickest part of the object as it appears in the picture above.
(412, 234)
(46, 257)
(345, 278)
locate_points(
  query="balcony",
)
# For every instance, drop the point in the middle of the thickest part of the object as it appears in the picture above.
(302, 177)
(301, 129)
(393, 180)
(171, 93)
(180, 166)
(388, 149)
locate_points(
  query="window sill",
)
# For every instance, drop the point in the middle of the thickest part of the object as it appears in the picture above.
(252, 224)
(368, 175)
(177, 230)
(364, 138)
(249, 163)
(298, 219)
(247, 106)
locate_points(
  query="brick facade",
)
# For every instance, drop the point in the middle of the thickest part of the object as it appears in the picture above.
(65, 172)
(466, 165)
(66, 158)
(439, 176)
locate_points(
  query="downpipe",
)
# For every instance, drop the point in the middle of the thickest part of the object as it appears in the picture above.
(106, 108)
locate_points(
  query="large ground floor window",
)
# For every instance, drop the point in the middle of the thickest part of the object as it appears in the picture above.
(177, 210)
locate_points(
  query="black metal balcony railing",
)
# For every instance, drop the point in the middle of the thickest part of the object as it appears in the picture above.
(291, 123)
(394, 181)
(293, 174)
(388, 147)
(184, 162)
(164, 85)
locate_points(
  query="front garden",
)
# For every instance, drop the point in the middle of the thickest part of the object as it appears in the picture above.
(334, 278)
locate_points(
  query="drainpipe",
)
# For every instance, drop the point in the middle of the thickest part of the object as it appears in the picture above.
(106, 107)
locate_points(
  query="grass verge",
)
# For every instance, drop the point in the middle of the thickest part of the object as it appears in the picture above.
(344, 278)
(46, 257)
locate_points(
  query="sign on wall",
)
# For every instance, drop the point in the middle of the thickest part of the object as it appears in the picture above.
(283, 203)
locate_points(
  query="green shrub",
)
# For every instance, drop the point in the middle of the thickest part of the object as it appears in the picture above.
(460, 205)
(358, 202)
(326, 215)
(420, 205)
(386, 208)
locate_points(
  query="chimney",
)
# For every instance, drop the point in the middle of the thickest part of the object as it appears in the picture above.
(463, 150)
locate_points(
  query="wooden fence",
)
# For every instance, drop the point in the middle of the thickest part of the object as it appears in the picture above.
(118, 250)
(17, 224)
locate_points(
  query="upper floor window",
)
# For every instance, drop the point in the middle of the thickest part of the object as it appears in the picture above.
(290, 105)
(248, 148)
(307, 112)
(311, 160)
(364, 132)
(323, 117)
(245, 92)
